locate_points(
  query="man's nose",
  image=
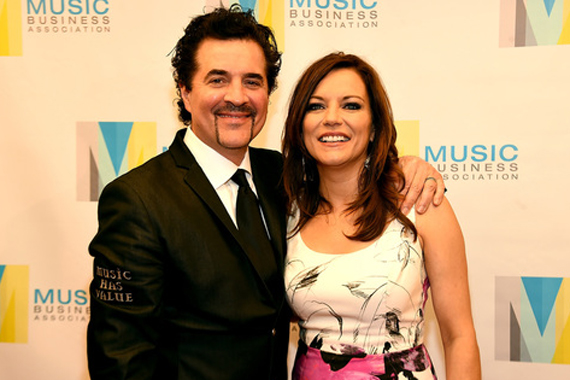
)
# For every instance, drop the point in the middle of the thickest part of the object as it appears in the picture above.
(235, 94)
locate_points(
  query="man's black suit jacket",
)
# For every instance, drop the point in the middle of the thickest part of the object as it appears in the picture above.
(176, 294)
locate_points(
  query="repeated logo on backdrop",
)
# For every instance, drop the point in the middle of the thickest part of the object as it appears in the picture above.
(14, 280)
(60, 17)
(408, 142)
(333, 14)
(106, 150)
(67, 17)
(49, 304)
(10, 28)
(534, 22)
(321, 14)
(461, 162)
(60, 305)
(475, 162)
(532, 319)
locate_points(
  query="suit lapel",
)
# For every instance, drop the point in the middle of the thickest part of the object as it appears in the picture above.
(198, 182)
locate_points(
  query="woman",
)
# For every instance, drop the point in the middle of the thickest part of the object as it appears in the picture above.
(357, 267)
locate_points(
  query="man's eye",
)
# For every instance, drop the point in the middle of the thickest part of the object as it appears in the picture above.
(253, 83)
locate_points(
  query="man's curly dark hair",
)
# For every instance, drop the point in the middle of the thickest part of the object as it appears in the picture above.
(221, 24)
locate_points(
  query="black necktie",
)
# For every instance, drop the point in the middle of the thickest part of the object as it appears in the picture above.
(252, 228)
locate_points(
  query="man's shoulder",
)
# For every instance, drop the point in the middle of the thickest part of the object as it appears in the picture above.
(267, 165)
(149, 170)
(264, 153)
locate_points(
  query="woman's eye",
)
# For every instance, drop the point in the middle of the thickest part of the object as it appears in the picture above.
(314, 107)
(353, 106)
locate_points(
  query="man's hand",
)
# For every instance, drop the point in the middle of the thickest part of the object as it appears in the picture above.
(424, 184)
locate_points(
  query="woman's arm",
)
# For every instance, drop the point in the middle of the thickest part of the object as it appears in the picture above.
(446, 265)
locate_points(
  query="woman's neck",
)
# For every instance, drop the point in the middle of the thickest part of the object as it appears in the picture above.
(339, 187)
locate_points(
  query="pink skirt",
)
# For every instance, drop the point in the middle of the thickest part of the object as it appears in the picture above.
(313, 364)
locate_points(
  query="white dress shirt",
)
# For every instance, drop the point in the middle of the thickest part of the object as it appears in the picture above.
(219, 171)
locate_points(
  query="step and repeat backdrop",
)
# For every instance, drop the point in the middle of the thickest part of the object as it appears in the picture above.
(480, 89)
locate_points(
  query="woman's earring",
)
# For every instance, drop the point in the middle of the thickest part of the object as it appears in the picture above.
(306, 177)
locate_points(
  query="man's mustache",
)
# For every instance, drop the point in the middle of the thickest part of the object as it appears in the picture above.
(232, 108)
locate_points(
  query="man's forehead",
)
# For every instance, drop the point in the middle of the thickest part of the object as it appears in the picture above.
(230, 56)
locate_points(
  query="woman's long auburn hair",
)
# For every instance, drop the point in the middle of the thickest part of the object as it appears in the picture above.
(380, 182)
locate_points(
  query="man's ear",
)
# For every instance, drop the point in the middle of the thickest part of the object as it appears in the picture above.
(185, 95)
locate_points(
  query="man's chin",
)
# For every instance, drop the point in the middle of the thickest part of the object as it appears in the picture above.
(236, 139)
(236, 144)
(235, 123)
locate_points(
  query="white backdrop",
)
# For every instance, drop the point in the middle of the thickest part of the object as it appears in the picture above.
(479, 89)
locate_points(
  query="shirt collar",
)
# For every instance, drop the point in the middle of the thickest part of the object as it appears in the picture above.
(217, 168)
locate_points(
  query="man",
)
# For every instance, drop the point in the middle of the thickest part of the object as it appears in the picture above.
(178, 291)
